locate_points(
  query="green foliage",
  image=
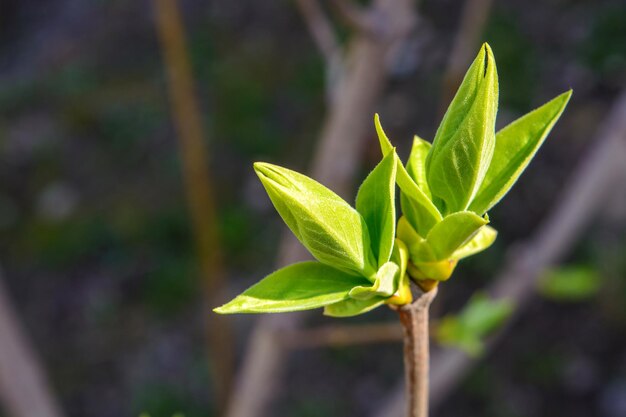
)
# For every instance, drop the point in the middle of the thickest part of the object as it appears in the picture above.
(479, 318)
(375, 202)
(572, 283)
(464, 143)
(354, 273)
(300, 286)
(365, 259)
(334, 233)
(516, 145)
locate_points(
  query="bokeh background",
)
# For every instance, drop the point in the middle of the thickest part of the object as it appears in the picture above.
(97, 244)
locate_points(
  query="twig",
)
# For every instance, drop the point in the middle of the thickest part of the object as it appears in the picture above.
(343, 335)
(24, 390)
(473, 21)
(335, 162)
(582, 197)
(414, 319)
(197, 183)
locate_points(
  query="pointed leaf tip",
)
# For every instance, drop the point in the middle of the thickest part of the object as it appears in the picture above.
(375, 201)
(465, 140)
(333, 231)
(516, 145)
(301, 286)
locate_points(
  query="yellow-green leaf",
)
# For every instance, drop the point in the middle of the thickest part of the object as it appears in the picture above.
(385, 285)
(516, 145)
(451, 233)
(416, 165)
(301, 286)
(327, 226)
(481, 241)
(376, 202)
(352, 307)
(416, 204)
(465, 140)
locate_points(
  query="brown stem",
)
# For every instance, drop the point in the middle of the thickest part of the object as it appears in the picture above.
(414, 319)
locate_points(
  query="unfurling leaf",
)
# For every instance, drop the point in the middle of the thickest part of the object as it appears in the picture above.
(327, 226)
(416, 165)
(464, 142)
(400, 256)
(375, 201)
(301, 286)
(385, 285)
(481, 241)
(415, 202)
(449, 235)
(352, 307)
(516, 145)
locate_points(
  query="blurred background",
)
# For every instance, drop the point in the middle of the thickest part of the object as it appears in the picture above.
(129, 207)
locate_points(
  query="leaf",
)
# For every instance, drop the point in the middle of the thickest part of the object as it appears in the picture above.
(416, 165)
(452, 233)
(479, 318)
(375, 201)
(386, 284)
(420, 219)
(516, 145)
(425, 211)
(464, 142)
(573, 283)
(400, 257)
(327, 226)
(407, 234)
(301, 286)
(481, 241)
(351, 307)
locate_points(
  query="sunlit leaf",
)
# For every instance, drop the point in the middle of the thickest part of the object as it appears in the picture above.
(415, 203)
(465, 140)
(416, 165)
(481, 241)
(301, 286)
(453, 232)
(385, 285)
(327, 226)
(400, 257)
(376, 203)
(352, 307)
(516, 145)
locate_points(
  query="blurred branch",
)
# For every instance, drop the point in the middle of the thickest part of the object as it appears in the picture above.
(196, 176)
(343, 335)
(320, 28)
(335, 161)
(582, 197)
(356, 16)
(324, 36)
(24, 390)
(473, 20)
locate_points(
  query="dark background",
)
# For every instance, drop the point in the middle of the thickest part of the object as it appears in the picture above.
(96, 246)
